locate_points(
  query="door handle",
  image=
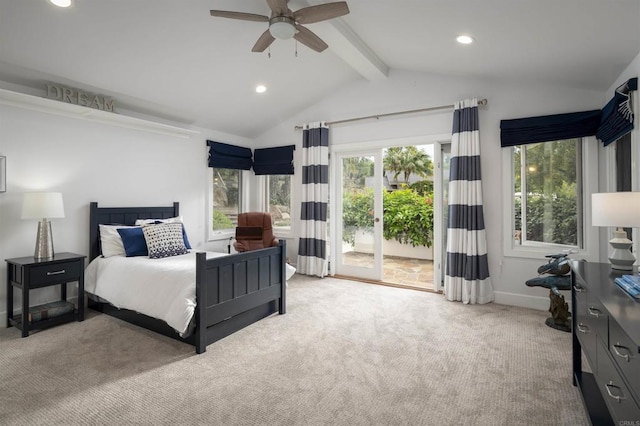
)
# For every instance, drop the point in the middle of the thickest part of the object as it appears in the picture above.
(377, 219)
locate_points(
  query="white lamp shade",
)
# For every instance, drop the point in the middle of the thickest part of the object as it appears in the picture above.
(42, 205)
(620, 209)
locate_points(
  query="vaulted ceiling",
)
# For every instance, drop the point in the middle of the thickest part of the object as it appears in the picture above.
(172, 59)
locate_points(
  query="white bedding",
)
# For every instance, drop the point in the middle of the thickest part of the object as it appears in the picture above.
(160, 288)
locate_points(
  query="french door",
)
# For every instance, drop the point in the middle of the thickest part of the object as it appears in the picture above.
(442, 160)
(357, 247)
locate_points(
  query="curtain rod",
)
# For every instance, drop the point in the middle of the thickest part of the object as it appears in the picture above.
(389, 114)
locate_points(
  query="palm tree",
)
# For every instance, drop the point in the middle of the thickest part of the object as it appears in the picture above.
(408, 160)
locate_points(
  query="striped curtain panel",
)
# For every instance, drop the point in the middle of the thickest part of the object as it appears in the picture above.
(467, 271)
(312, 248)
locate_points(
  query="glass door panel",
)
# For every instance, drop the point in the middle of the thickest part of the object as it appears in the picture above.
(359, 216)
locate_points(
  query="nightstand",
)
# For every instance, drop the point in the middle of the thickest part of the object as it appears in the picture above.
(28, 273)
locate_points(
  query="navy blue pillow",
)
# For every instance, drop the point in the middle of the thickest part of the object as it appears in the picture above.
(133, 241)
(186, 240)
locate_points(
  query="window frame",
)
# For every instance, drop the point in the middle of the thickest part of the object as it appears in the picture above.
(222, 234)
(279, 231)
(537, 250)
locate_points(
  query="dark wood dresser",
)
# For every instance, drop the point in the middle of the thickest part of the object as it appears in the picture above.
(606, 327)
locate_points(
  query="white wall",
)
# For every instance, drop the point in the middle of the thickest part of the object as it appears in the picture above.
(88, 161)
(407, 91)
(606, 158)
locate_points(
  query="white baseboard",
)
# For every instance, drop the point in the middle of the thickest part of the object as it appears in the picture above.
(521, 300)
(525, 301)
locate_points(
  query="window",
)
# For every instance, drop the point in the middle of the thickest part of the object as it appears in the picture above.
(278, 200)
(548, 195)
(226, 198)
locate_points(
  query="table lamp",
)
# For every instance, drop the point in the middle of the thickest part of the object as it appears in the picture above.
(43, 206)
(619, 209)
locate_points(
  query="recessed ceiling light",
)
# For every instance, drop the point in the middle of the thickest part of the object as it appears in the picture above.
(464, 39)
(261, 88)
(61, 3)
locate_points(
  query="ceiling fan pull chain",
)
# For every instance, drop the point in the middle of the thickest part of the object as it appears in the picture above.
(269, 53)
(296, 48)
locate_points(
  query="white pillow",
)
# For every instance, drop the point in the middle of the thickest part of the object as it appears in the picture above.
(177, 219)
(110, 240)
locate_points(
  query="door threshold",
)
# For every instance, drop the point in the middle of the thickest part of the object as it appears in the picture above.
(385, 283)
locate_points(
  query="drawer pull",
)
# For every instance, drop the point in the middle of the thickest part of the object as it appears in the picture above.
(62, 271)
(610, 385)
(626, 356)
(582, 328)
(594, 312)
(579, 289)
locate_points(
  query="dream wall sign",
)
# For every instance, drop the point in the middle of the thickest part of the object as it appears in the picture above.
(78, 97)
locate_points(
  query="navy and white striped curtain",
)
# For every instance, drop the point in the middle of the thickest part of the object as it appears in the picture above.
(467, 271)
(312, 248)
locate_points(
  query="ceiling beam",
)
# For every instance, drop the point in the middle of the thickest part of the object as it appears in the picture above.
(345, 43)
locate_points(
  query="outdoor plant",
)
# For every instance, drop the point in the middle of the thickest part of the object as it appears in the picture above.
(221, 221)
(357, 212)
(407, 217)
(561, 205)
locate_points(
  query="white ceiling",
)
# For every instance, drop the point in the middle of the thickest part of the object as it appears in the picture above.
(172, 59)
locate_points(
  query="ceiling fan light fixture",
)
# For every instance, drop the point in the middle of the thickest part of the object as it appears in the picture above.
(261, 88)
(282, 27)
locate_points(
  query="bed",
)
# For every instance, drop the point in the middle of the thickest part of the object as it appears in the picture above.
(232, 291)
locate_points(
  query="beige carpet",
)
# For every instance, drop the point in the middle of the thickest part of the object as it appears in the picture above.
(346, 353)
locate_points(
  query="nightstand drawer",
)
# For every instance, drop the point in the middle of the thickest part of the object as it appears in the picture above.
(57, 272)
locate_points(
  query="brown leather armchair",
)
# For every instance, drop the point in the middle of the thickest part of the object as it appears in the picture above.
(254, 231)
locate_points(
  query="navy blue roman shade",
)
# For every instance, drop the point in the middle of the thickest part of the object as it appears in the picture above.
(617, 115)
(522, 131)
(608, 125)
(274, 161)
(225, 156)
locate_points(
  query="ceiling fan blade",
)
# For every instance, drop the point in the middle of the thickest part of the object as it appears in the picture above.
(309, 39)
(263, 42)
(239, 15)
(322, 12)
(278, 7)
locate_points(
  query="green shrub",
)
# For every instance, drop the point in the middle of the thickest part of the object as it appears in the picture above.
(407, 217)
(221, 221)
(357, 212)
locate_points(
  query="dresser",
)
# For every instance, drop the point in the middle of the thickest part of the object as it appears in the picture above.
(606, 328)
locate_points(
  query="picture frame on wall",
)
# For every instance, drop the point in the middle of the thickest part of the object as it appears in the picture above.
(3, 174)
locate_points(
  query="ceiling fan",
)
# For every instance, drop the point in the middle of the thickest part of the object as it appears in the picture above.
(285, 24)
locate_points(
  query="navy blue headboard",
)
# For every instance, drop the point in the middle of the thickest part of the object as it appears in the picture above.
(122, 216)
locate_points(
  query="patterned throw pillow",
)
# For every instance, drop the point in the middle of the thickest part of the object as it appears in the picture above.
(164, 240)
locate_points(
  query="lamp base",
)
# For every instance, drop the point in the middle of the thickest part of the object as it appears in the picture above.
(621, 257)
(44, 241)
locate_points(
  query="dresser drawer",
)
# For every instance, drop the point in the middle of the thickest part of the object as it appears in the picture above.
(599, 318)
(625, 354)
(585, 325)
(614, 390)
(57, 272)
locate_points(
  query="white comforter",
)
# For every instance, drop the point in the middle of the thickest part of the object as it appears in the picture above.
(160, 288)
